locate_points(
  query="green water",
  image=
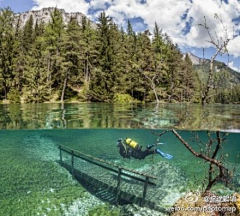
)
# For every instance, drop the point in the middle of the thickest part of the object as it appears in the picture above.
(33, 183)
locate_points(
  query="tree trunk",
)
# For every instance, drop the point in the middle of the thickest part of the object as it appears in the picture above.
(205, 93)
(86, 68)
(63, 115)
(155, 93)
(5, 91)
(64, 87)
(153, 86)
(49, 74)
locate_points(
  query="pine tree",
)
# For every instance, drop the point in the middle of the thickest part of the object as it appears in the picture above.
(52, 39)
(38, 29)
(144, 62)
(132, 68)
(70, 53)
(7, 45)
(19, 57)
(174, 72)
(103, 82)
(28, 38)
(89, 53)
(158, 78)
(37, 85)
(190, 85)
(130, 31)
(120, 59)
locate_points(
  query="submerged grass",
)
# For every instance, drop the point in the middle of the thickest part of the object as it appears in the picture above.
(104, 210)
(33, 187)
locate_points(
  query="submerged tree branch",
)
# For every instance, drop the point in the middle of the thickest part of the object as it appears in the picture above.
(222, 170)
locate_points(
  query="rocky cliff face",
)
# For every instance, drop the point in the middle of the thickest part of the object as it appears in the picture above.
(194, 59)
(45, 16)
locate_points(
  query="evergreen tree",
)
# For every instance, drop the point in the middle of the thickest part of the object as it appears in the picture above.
(89, 44)
(7, 52)
(38, 30)
(130, 31)
(103, 82)
(36, 88)
(144, 62)
(70, 53)
(19, 57)
(174, 72)
(52, 39)
(159, 76)
(190, 84)
(132, 69)
(28, 38)
(120, 58)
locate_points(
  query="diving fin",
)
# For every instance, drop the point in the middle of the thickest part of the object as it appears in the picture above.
(165, 155)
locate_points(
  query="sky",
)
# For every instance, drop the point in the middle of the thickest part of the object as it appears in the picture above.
(180, 19)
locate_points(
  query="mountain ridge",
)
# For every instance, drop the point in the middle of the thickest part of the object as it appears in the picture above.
(202, 66)
(44, 15)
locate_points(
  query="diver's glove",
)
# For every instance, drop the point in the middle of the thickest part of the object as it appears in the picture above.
(165, 155)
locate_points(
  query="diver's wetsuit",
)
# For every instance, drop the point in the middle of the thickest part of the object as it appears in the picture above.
(126, 152)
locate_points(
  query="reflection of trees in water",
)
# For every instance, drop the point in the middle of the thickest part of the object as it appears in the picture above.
(103, 115)
(210, 117)
(159, 116)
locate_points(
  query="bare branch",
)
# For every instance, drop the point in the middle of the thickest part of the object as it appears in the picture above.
(221, 48)
(222, 171)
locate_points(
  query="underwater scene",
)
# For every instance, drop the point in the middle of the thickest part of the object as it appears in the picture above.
(34, 182)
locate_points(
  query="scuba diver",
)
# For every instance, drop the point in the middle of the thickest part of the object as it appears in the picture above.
(129, 147)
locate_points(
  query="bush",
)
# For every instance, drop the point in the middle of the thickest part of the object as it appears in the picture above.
(13, 96)
(123, 98)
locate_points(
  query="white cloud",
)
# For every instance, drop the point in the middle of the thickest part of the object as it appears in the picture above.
(198, 35)
(231, 65)
(168, 15)
(234, 47)
(102, 4)
(69, 6)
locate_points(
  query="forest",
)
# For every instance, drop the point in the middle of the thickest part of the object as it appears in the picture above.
(57, 62)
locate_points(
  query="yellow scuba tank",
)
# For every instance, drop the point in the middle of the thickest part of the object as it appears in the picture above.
(131, 143)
